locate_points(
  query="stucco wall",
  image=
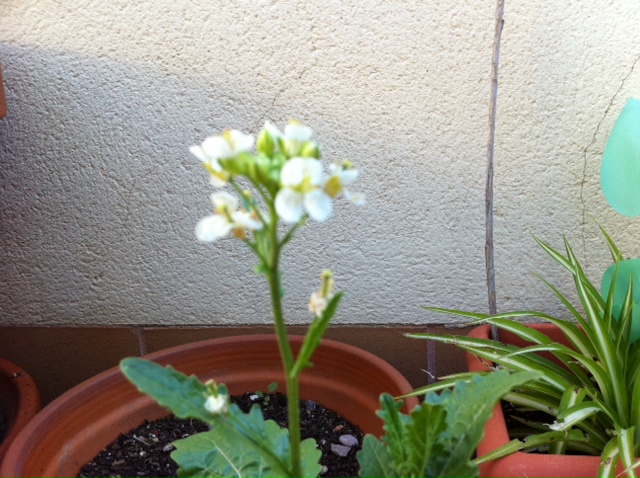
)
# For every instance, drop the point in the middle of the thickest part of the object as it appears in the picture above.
(100, 196)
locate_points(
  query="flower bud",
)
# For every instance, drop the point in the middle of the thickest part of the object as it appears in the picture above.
(216, 401)
(319, 300)
(216, 404)
(265, 144)
(309, 150)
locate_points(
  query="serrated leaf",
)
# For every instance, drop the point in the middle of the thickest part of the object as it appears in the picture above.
(428, 421)
(243, 445)
(469, 406)
(184, 395)
(394, 426)
(441, 435)
(374, 459)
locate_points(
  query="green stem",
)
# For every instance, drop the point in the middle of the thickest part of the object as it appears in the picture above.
(286, 354)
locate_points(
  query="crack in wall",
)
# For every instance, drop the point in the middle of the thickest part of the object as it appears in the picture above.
(258, 124)
(585, 160)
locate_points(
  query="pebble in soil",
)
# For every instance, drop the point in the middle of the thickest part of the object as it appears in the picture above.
(145, 451)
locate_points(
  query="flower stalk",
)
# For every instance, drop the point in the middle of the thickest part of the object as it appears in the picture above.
(290, 184)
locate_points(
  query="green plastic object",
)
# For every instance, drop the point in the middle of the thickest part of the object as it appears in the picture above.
(626, 270)
(620, 169)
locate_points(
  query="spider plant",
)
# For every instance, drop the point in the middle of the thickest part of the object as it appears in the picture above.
(597, 390)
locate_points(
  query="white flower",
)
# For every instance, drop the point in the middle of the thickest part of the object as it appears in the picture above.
(356, 198)
(295, 140)
(319, 300)
(301, 179)
(556, 426)
(228, 145)
(317, 304)
(293, 131)
(297, 132)
(216, 404)
(225, 219)
(341, 177)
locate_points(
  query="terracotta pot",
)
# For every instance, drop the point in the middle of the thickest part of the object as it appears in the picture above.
(74, 428)
(19, 402)
(522, 464)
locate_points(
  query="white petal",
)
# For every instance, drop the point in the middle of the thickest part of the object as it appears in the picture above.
(318, 204)
(199, 153)
(216, 404)
(348, 176)
(240, 142)
(317, 304)
(224, 200)
(289, 205)
(246, 221)
(292, 172)
(216, 181)
(298, 132)
(272, 130)
(296, 170)
(313, 169)
(356, 198)
(216, 147)
(211, 228)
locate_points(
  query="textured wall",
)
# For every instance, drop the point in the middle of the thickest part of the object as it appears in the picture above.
(99, 194)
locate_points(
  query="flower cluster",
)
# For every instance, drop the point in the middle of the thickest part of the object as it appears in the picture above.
(286, 171)
(262, 197)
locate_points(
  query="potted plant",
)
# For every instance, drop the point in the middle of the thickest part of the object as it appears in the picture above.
(289, 187)
(73, 429)
(19, 402)
(590, 383)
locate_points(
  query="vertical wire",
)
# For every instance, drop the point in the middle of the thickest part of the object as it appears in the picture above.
(489, 248)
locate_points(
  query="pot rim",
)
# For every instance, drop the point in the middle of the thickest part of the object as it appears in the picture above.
(111, 384)
(27, 404)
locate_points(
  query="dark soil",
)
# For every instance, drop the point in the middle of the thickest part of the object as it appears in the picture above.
(145, 451)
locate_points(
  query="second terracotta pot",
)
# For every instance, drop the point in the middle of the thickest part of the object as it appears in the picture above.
(522, 464)
(19, 402)
(79, 424)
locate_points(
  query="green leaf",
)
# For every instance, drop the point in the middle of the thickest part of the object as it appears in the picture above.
(243, 445)
(627, 449)
(184, 395)
(469, 406)
(440, 436)
(374, 459)
(533, 441)
(577, 413)
(395, 424)
(423, 442)
(616, 255)
(628, 277)
(314, 335)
